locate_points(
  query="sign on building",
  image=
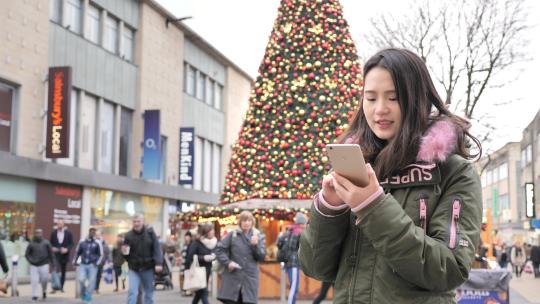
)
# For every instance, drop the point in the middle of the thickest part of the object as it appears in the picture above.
(152, 145)
(529, 200)
(187, 147)
(57, 145)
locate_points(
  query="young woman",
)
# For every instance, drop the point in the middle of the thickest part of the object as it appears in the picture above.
(240, 252)
(204, 247)
(410, 235)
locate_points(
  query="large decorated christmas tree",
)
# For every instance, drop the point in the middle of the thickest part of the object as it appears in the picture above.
(307, 90)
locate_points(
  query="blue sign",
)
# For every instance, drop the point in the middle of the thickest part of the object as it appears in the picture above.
(152, 146)
(187, 148)
(535, 223)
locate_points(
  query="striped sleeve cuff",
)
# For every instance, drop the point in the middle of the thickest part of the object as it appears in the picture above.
(368, 201)
(327, 210)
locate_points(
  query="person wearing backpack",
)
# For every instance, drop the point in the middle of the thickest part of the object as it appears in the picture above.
(518, 258)
(288, 245)
(144, 256)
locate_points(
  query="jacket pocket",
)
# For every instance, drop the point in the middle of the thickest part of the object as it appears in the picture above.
(454, 220)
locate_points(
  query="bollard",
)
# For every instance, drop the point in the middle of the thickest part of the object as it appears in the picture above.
(283, 283)
(14, 283)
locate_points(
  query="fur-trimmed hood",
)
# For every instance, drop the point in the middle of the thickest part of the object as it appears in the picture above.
(438, 143)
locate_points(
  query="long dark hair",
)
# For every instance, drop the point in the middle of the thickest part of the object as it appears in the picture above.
(416, 95)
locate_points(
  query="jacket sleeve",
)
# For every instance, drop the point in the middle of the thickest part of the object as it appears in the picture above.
(321, 242)
(69, 240)
(259, 250)
(192, 250)
(426, 259)
(50, 252)
(3, 260)
(53, 238)
(28, 252)
(77, 253)
(223, 249)
(101, 255)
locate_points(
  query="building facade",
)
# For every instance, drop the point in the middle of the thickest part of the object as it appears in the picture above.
(126, 60)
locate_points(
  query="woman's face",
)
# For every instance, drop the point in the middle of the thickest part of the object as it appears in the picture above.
(211, 234)
(380, 104)
(246, 225)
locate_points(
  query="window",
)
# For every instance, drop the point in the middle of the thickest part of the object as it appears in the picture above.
(210, 87)
(111, 34)
(199, 152)
(55, 11)
(207, 166)
(189, 80)
(201, 86)
(87, 132)
(523, 158)
(125, 141)
(216, 168)
(163, 171)
(495, 175)
(70, 161)
(484, 179)
(504, 203)
(94, 24)
(218, 101)
(6, 110)
(106, 126)
(489, 177)
(529, 153)
(503, 171)
(127, 43)
(74, 15)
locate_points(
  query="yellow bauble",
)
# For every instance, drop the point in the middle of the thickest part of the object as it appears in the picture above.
(324, 159)
(309, 144)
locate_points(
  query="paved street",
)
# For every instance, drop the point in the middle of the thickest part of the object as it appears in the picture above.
(525, 290)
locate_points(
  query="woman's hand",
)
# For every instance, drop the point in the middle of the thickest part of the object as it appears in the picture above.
(351, 194)
(329, 192)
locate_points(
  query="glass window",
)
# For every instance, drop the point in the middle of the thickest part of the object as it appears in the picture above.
(74, 15)
(163, 171)
(112, 212)
(495, 175)
(127, 43)
(489, 177)
(55, 11)
(523, 158)
(125, 140)
(111, 34)
(210, 87)
(6, 111)
(201, 86)
(87, 132)
(72, 131)
(207, 180)
(189, 82)
(94, 24)
(219, 97)
(199, 152)
(216, 168)
(529, 154)
(504, 202)
(503, 171)
(484, 179)
(106, 124)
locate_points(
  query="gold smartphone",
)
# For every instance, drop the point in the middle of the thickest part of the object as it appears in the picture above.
(348, 161)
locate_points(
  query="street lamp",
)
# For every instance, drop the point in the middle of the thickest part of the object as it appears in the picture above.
(170, 20)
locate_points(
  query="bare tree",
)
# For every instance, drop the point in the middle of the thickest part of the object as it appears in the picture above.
(465, 43)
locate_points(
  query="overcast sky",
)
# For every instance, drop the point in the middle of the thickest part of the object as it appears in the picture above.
(240, 30)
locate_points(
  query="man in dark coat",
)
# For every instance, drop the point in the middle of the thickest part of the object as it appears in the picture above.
(39, 254)
(62, 242)
(3, 261)
(240, 252)
(535, 258)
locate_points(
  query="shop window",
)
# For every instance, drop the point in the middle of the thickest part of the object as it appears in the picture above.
(6, 111)
(74, 15)
(94, 24)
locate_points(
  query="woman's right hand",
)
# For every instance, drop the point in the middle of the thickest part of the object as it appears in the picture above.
(329, 193)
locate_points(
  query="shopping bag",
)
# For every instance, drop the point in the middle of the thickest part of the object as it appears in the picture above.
(55, 281)
(195, 276)
(108, 274)
(528, 267)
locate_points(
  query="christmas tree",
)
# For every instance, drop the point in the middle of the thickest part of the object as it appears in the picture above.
(307, 90)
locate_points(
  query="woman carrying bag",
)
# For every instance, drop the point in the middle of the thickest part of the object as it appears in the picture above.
(203, 249)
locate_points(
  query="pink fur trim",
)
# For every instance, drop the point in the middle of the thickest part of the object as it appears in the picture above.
(438, 143)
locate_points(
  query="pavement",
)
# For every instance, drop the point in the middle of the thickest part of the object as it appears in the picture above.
(524, 290)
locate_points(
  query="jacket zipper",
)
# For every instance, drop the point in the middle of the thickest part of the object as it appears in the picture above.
(423, 213)
(456, 209)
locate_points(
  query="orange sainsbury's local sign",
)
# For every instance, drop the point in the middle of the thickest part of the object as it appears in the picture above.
(57, 145)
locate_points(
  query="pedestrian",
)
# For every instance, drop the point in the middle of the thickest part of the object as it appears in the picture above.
(518, 258)
(142, 251)
(118, 260)
(88, 256)
(204, 247)
(503, 261)
(325, 286)
(240, 252)
(535, 258)
(183, 256)
(410, 234)
(3, 260)
(39, 254)
(62, 242)
(105, 260)
(288, 245)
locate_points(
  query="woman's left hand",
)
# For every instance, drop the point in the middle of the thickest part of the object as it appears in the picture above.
(351, 194)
